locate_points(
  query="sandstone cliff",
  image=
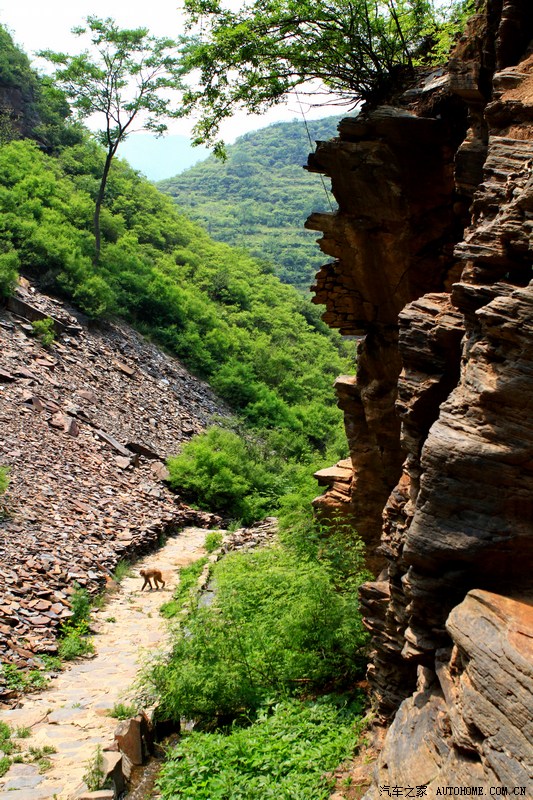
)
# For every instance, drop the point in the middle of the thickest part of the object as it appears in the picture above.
(85, 427)
(433, 252)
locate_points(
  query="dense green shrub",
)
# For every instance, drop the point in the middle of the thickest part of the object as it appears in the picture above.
(284, 755)
(213, 541)
(230, 473)
(75, 641)
(277, 626)
(4, 479)
(44, 330)
(9, 262)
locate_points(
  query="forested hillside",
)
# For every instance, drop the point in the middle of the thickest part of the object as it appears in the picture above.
(264, 349)
(260, 344)
(260, 197)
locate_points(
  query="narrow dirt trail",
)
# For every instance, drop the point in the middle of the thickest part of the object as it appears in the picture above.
(71, 714)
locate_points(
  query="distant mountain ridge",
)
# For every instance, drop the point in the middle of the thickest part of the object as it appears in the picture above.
(260, 197)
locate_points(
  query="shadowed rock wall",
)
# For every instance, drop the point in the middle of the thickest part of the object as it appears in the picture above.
(392, 241)
(433, 248)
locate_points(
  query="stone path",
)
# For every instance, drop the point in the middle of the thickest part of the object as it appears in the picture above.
(71, 715)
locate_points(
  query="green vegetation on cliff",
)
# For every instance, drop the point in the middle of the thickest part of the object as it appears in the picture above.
(260, 196)
(252, 56)
(30, 105)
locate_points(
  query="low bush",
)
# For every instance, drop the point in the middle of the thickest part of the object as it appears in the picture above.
(4, 479)
(94, 776)
(122, 570)
(22, 680)
(189, 576)
(80, 605)
(244, 476)
(284, 755)
(227, 472)
(123, 711)
(213, 540)
(75, 641)
(44, 330)
(9, 263)
(277, 626)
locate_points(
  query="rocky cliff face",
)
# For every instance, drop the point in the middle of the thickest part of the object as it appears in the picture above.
(17, 112)
(433, 251)
(86, 426)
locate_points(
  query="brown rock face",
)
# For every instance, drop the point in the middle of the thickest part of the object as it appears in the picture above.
(392, 175)
(463, 730)
(444, 385)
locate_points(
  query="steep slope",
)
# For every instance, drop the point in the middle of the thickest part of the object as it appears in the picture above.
(86, 424)
(260, 196)
(89, 422)
(439, 415)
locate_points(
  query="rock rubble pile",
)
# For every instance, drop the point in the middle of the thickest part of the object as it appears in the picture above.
(258, 535)
(86, 426)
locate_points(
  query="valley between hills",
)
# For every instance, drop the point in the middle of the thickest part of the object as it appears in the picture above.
(370, 640)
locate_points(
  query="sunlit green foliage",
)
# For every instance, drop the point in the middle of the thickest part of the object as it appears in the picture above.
(253, 56)
(75, 641)
(230, 473)
(277, 626)
(4, 479)
(284, 755)
(260, 344)
(260, 197)
(123, 711)
(213, 541)
(125, 78)
(44, 330)
(185, 590)
(22, 680)
(42, 110)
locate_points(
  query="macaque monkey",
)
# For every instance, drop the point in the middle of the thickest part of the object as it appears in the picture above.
(147, 574)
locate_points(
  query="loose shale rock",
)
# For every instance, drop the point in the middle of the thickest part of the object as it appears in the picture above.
(81, 424)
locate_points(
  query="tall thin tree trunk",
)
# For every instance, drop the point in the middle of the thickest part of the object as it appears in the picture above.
(98, 205)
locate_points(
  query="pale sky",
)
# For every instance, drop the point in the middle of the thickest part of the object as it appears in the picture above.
(46, 24)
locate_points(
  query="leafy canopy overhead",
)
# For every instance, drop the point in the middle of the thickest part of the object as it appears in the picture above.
(253, 57)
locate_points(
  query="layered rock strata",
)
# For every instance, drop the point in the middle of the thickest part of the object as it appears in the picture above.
(451, 616)
(392, 175)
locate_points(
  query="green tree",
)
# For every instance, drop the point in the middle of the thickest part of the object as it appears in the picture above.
(252, 57)
(40, 111)
(126, 79)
